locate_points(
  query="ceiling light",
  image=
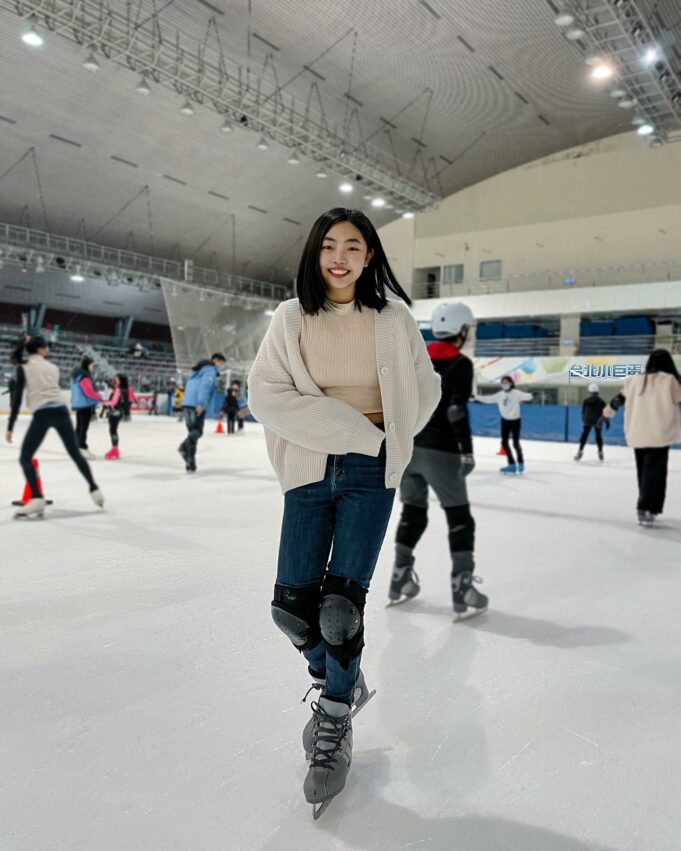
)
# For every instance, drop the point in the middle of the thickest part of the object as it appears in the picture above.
(262, 144)
(77, 277)
(269, 313)
(40, 265)
(637, 121)
(91, 63)
(602, 72)
(345, 187)
(656, 142)
(593, 59)
(293, 159)
(645, 130)
(321, 173)
(32, 37)
(627, 103)
(367, 197)
(142, 88)
(574, 34)
(617, 93)
(408, 215)
(565, 19)
(187, 108)
(390, 206)
(651, 56)
(227, 126)
(378, 202)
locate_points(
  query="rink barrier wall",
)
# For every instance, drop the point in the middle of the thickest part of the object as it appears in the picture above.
(559, 423)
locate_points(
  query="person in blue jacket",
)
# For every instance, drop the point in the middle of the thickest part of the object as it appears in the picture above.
(84, 399)
(198, 394)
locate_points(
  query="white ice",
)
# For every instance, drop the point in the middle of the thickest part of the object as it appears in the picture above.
(148, 702)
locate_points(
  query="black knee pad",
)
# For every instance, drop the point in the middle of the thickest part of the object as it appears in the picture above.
(341, 618)
(412, 525)
(296, 612)
(461, 528)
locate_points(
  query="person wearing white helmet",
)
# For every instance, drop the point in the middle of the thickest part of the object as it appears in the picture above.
(592, 418)
(443, 457)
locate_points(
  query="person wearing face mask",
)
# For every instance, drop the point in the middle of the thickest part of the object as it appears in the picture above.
(509, 399)
(442, 459)
(342, 383)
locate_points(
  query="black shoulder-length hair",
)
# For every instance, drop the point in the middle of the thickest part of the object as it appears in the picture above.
(370, 290)
(660, 360)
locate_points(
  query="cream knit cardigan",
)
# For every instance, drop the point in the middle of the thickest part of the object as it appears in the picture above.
(303, 426)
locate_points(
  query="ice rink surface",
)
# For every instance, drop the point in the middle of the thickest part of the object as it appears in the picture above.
(148, 702)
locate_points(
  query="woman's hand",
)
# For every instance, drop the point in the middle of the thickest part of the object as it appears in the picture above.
(8, 436)
(609, 411)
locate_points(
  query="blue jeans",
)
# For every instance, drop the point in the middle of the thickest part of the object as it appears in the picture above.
(348, 510)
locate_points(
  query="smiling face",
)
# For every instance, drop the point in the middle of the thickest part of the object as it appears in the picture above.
(344, 256)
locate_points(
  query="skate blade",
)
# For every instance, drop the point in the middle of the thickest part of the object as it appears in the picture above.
(404, 599)
(318, 810)
(466, 616)
(359, 706)
(38, 515)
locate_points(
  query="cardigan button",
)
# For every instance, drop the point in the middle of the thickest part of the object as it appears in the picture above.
(393, 477)
(391, 427)
(384, 370)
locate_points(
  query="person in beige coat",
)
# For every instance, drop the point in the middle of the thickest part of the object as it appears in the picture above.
(342, 383)
(651, 425)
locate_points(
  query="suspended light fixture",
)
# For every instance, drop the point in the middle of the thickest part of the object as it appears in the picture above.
(40, 265)
(408, 215)
(321, 173)
(77, 277)
(574, 34)
(603, 71)
(227, 126)
(262, 144)
(651, 56)
(293, 159)
(345, 187)
(637, 121)
(617, 93)
(656, 142)
(32, 37)
(187, 108)
(367, 197)
(91, 63)
(142, 88)
(565, 19)
(627, 103)
(378, 202)
(592, 59)
(646, 130)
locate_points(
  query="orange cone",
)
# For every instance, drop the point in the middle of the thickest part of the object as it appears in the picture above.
(219, 429)
(501, 451)
(27, 488)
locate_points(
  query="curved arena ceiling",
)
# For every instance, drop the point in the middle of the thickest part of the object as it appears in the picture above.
(440, 94)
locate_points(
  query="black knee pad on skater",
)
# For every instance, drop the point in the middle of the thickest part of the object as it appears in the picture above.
(341, 618)
(296, 612)
(412, 525)
(461, 528)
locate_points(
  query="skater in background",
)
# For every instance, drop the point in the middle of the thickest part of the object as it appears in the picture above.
(40, 379)
(592, 418)
(198, 394)
(651, 425)
(153, 406)
(342, 382)
(230, 407)
(508, 399)
(442, 459)
(84, 400)
(118, 408)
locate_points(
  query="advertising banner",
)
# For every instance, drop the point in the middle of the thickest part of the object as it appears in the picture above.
(561, 371)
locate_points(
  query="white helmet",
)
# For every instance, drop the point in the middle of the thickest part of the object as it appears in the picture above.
(593, 388)
(449, 318)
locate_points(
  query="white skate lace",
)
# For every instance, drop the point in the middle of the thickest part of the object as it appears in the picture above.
(332, 732)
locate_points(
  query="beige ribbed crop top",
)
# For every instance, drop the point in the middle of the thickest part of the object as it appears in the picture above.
(339, 351)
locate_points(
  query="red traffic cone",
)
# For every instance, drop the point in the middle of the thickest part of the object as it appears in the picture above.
(501, 451)
(27, 495)
(219, 429)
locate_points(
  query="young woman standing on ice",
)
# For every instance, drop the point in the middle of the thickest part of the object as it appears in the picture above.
(118, 408)
(651, 425)
(40, 379)
(342, 384)
(508, 399)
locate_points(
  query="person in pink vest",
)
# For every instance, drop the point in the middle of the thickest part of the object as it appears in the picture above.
(118, 408)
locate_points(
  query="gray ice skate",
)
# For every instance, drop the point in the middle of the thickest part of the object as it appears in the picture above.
(468, 601)
(646, 518)
(331, 754)
(404, 583)
(35, 507)
(361, 697)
